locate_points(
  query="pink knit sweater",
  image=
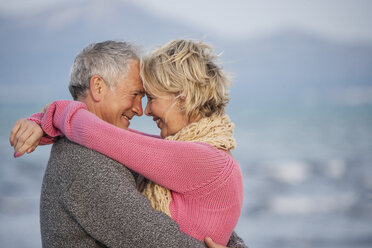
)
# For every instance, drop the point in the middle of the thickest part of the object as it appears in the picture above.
(206, 183)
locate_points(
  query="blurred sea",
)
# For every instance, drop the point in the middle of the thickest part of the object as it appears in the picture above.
(307, 176)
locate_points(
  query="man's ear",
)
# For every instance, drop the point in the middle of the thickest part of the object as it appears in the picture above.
(97, 88)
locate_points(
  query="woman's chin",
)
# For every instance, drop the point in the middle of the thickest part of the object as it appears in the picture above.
(162, 134)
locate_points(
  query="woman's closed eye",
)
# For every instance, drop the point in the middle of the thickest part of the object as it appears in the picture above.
(150, 97)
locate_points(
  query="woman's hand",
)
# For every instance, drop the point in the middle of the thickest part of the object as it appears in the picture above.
(25, 137)
(209, 242)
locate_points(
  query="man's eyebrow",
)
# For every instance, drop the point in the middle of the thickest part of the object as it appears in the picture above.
(142, 92)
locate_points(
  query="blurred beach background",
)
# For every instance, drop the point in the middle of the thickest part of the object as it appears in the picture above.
(301, 102)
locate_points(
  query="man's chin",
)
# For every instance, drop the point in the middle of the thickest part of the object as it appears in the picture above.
(124, 124)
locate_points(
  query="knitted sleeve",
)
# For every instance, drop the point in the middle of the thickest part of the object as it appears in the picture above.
(46, 139)
(179, 166)
(146, 134)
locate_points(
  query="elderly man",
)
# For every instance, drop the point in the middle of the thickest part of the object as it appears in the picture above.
(88, 199)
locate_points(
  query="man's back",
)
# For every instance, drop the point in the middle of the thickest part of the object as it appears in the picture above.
(89, 200)
(59, 228)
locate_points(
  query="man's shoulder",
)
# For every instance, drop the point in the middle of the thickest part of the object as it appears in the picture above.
(79, 157)
(66, 148)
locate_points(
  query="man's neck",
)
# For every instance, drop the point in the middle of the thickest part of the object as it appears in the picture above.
(90, 104)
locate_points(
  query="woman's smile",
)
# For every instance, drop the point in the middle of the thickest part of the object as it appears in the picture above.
(158, 121)
(166, 114)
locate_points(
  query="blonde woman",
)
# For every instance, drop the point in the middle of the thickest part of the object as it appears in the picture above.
(190, 173)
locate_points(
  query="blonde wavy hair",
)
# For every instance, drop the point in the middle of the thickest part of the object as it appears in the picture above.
(188, 70)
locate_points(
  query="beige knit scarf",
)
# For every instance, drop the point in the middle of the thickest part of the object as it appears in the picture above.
(214, 130)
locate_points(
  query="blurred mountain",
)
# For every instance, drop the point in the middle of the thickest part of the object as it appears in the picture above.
(298, 66)
(37, 51)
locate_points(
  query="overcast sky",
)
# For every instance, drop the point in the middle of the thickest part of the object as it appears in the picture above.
(343, 20)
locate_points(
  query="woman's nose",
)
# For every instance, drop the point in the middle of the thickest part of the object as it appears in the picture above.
(147, 110)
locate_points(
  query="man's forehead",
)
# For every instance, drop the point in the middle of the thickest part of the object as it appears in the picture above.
(131, 81)
(133, 86)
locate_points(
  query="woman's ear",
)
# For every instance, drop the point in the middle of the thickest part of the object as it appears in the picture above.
(97, 88)
(181, 100)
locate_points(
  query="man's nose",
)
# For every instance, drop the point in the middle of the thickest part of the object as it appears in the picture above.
(137, 108)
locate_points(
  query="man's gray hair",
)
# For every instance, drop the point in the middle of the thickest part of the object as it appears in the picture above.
(109, 59)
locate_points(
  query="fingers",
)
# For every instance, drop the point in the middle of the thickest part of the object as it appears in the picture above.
(31, 143)
(27, 138)
(209, 242)
(22, 127)
(22, 142)
(31, 149)
(14, 131)
(18, 134)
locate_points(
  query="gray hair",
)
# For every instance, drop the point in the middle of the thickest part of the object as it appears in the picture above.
(109, 59)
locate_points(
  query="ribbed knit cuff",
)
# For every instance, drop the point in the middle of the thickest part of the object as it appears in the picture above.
(46, 139)
(55, 121)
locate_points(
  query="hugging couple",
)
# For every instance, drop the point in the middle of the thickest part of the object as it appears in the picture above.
(107, 185)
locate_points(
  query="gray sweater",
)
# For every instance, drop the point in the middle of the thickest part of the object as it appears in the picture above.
(90, 200)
